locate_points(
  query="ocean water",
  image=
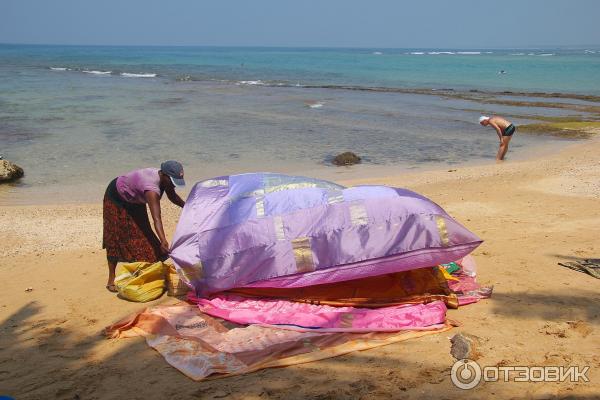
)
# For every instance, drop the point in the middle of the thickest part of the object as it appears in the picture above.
(75, 117)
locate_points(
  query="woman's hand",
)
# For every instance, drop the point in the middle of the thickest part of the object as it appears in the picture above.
(164, 248)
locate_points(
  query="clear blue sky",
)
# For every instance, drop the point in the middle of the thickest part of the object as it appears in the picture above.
(345, 23)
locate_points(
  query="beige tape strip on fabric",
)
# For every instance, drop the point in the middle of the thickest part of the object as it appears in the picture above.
(358, 214)
(279, 229)
(441, 225)
(335, 196)
(193, 273)
(260, 206)
(346, 320)
(303, 255)
(214, 182)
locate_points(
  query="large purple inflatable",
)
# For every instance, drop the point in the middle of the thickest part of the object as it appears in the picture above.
(272, 230)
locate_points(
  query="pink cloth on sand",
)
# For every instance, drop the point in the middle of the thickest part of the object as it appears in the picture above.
(466, 287)
(309, 317)
(200, 346)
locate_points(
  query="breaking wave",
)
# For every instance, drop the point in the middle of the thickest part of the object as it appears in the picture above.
(132, 75)
(105, 72)
(258, 82)
(95, 72)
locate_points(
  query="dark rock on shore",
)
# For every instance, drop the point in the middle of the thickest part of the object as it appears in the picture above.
(9, 171)
(465, 346)
(347, 158)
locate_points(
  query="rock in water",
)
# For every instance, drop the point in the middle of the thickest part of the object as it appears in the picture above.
(347, 158)
(9, 171)
(465, 346)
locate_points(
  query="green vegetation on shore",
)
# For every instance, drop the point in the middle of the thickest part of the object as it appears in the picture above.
(566, 129)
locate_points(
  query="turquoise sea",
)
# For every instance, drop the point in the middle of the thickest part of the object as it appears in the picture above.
(76, 116)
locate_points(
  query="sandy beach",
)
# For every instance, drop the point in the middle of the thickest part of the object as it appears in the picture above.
(532, 214)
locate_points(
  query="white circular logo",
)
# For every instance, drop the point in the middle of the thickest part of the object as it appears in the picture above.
(465, 374)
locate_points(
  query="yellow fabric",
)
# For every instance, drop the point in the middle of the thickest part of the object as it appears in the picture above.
(447, 275)
(141, 281)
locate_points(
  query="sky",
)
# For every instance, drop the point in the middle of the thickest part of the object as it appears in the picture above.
(304, 23)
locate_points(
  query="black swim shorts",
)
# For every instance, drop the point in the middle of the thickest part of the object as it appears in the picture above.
(509, 130)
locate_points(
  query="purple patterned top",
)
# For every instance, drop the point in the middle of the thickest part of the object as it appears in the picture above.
(134, 184)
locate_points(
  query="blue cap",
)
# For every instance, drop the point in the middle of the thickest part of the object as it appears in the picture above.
(174, 170)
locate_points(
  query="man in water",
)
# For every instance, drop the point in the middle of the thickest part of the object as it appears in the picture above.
(504, 129)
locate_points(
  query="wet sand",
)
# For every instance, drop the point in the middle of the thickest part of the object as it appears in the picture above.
(531, 214)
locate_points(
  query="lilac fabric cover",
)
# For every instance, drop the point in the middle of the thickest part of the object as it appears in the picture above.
(272, 230)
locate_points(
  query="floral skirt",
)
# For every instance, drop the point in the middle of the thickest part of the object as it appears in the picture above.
(127, 234)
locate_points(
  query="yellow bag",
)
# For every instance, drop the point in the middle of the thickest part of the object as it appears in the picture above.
(141, 281)
(175, 286)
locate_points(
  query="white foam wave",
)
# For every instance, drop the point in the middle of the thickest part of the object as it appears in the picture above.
(589, 51)
(517, 54)
(546, 54)
(377, 53)
(131, 75)
(315, 105)
(417, 53)
(94, 72)
(59, 69)
(258, 82)
(468, 53)
(435, 53)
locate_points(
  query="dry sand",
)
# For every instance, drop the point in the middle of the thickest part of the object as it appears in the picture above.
(531, 214)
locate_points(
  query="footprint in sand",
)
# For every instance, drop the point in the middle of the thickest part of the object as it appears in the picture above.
(553, 358)
(567, 329)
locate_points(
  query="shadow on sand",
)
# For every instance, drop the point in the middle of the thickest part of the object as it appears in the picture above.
(44, 359)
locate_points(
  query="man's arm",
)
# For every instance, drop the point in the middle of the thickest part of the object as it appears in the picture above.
(153, 200)
(498, 130)
(174, 197)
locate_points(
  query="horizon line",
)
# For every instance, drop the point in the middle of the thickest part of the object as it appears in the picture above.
(564, 46)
